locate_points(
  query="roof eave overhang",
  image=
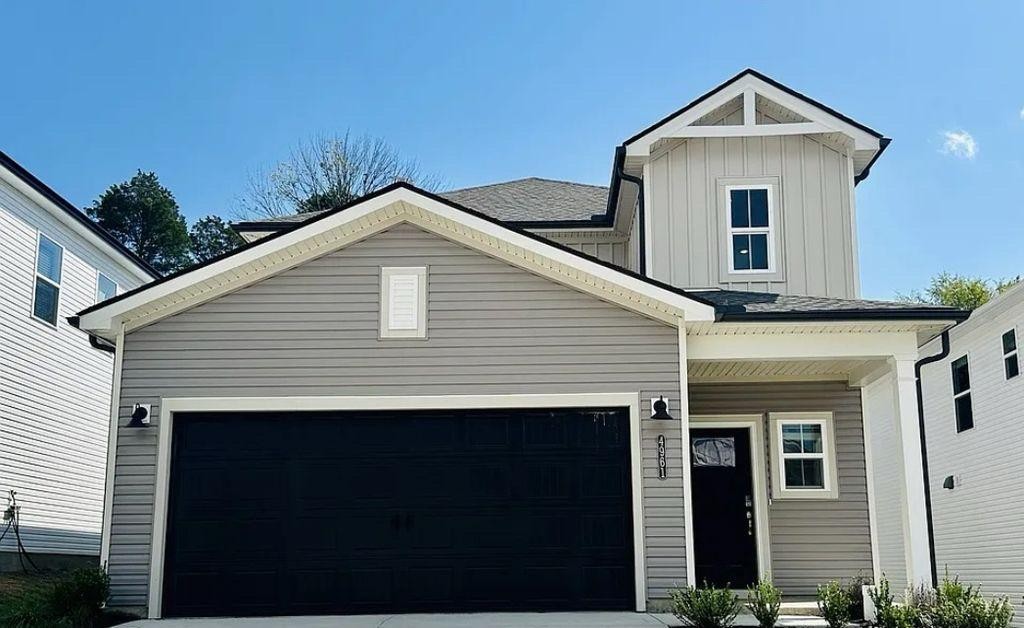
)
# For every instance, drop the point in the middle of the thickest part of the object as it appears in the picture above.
(393, 205)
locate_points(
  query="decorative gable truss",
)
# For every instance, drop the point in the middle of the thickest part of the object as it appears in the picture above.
(752, 105)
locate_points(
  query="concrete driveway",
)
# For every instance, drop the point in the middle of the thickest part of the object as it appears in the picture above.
(475, 620)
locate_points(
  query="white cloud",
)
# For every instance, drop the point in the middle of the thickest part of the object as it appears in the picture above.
(1022, 113)
(959, 144)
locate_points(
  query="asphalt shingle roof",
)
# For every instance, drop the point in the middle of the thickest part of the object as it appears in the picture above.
(524, 200)
(740, 305)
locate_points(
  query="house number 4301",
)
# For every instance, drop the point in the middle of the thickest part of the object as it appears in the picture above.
(662, 464)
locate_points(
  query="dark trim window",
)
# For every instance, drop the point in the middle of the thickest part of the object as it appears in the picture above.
(1011, 364)
(46, 294)
(751, 249)
(962, 394)
(106, 288)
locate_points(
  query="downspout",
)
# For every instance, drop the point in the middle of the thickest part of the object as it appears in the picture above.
(943, 353)
(620, 160)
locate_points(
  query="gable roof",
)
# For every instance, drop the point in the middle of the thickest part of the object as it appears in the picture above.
(532, 202)
(28, 183)
(869, 143)
(395, 204)
(738, 305)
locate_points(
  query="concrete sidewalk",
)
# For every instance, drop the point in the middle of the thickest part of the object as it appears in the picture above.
(473, 620)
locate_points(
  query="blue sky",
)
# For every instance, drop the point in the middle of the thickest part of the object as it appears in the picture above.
(205, 92)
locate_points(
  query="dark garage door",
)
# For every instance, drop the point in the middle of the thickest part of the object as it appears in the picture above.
(377, 512)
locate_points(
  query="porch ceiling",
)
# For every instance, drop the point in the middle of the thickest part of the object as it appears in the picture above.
(712, 371)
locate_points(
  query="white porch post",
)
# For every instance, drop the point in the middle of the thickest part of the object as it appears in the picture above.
(915, 522)
(684, 426)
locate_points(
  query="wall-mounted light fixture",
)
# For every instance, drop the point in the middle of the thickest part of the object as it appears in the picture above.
(660, 409)
(948, 482)
(140, 415)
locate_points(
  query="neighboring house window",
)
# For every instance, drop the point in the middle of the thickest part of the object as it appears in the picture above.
(962, 394)
(106, 288)
(804, 455)
(46, 297)
(1010, 363)
(751, 241)
(403, 312)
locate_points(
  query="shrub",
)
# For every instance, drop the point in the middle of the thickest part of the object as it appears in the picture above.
(888, 614)
(961, 606)
(72, 600)
(834, 603)
(705, 607)
(764, 600)
(856, 592)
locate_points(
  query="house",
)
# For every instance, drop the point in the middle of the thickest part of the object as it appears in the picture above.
(533, 395)
(54, 386)
(973, 402)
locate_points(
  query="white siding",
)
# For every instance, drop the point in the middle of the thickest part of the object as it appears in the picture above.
(978, 523)
(609, 248)
(54, 387)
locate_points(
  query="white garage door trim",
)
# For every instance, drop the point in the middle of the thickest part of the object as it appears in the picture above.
(440, 402)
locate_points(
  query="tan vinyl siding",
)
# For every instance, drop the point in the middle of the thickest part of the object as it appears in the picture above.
(312, 330)
(614, 250)
(54, 387)
(978, 523)
(812, 540)
(813, 215)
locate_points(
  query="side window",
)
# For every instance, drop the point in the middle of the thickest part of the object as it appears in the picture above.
(106, 288)
(804, 455)
(1011, 365)
(751, 241)
(46, 296)
(962, 394)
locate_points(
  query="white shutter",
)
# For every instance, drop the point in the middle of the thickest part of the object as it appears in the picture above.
(403, 302)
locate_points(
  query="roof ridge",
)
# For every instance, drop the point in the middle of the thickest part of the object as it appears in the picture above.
(497, 183)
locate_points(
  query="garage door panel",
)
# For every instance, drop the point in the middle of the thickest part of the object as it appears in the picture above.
(380, 512)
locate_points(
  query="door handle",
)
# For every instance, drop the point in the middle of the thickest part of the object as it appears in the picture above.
(750, 523)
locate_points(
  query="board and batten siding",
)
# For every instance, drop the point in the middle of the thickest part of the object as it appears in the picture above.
(978, 524)
(54, 387)
(812, 540)
(816, 252)
(611, 249)
(312, 330)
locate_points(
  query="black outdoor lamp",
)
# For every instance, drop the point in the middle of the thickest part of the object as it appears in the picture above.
(661, 410)
(140, 416)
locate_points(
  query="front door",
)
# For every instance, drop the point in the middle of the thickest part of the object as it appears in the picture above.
(725, 538)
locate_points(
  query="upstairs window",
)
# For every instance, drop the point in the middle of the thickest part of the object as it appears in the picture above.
(403, 311)
(751, 241)
(106, 288)
(46, 296)
(1011, 366)
(962, 394)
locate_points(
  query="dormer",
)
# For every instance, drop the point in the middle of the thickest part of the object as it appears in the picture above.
(751, 187)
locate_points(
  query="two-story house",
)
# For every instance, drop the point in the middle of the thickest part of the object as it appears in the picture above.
(54, 387)
(533, 395)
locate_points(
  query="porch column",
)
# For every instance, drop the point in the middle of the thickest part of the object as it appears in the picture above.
(915, 521)
(684, 425)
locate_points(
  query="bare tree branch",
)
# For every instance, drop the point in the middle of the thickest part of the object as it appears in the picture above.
(326, 171)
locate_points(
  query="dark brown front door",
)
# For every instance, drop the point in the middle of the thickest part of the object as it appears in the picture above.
(725, 538)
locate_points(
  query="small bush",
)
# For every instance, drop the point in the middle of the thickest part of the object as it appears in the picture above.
(834, 603)
(72, 600)
(961, 606)
(706, 607)
(888, 614)
(856, 592)
(764, 600)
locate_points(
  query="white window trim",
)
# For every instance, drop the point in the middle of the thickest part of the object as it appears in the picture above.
(966, 391)
(769, 231)
(117, 286)
(828, 455)
(386, 331)
(36, 276)
(1007, 354)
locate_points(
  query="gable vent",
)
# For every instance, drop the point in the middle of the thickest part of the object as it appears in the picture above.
(403, 302)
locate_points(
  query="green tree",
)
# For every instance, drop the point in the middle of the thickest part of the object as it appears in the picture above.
(210, 237)
(143, 215)
(966, 293)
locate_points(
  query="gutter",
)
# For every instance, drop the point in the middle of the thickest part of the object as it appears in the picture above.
(942, 354)
(619, 175)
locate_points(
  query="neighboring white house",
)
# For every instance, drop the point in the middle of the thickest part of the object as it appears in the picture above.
(54, 385)
(974, 426)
